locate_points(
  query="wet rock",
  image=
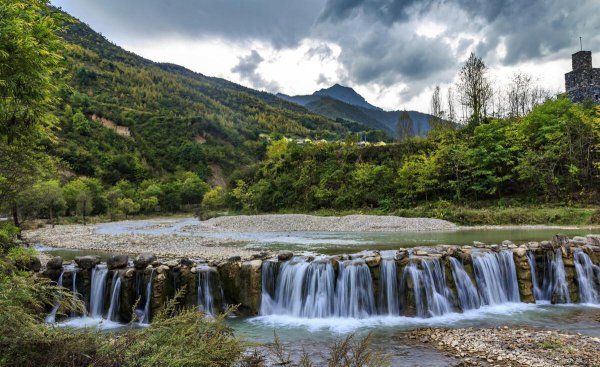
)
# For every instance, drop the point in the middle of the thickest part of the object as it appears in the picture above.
(87, 262)
(478, 244)
(520, 252)
(187, 262)
(593, 239)
(172, 263)
(55, 263)
(162, 269)
(507, 243)
(373, 261)
(251, 285)
(233, 259)
(118, 261)
(143, 260)
(547, 245)
(285, 255)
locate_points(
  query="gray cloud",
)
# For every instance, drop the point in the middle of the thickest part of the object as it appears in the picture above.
(247, 70)
(282, 22)
(376, 36)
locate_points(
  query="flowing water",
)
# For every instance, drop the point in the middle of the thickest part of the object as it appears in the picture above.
(115, 295)
(206, 302)
(588, 276)
(52, 315)
(467, 292)
(99, 276)
(496, 277)
(145, 319)
(549, 278)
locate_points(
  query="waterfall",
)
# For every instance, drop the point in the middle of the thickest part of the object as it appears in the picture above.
(496, 277)
(553, 284)
(52, 315)
(538, 294)
(303, 289)
(467, 292)
(354, 292)
(74, 289)
(269, 285)
(431, 294)
(206, 302)
(146, 316)
(389, 297)
(588, 278)
(115, 294)
(99, 275)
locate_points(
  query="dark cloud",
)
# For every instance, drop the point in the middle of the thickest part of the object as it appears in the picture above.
(281, 22)
(247, 70)
(530, 29)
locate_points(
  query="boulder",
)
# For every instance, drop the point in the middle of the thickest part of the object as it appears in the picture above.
(143, 260)
(187, 262)
(55, 263)
(234, 259)
(118, 261)
(285, 255)
(87, 262)
(478, 244)
(507, 243)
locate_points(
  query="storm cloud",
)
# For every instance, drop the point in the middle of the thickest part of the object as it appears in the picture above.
(382, 42)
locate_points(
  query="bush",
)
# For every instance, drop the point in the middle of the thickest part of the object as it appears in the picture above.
(8, 235)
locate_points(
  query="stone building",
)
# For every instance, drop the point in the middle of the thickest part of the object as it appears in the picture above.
(584, 81)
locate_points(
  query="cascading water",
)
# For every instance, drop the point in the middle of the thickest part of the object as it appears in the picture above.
(588, 278)
(496, 277)
(52, 315)
(206, 302)
(431, 294)
(99, 275)
(467, 292)
(115, 295)
(553, 283)
(269, 285)
(302, 289)
(389, 297)
(74, 290)
(354, 291)
(146, 316)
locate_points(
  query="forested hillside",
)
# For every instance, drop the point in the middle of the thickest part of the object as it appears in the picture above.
(166, 117)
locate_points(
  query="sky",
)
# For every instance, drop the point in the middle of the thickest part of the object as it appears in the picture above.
(391, 52)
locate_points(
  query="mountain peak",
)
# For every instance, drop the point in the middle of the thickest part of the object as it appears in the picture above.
(345, 94)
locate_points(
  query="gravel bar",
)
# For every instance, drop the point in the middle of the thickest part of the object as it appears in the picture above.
(312, 223)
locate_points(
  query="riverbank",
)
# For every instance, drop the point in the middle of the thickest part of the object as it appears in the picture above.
(164, 245)
(504, 346)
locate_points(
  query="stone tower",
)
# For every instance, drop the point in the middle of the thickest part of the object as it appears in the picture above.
(584, 81)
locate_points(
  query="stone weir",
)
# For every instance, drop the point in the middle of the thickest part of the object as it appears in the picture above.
(418, 282)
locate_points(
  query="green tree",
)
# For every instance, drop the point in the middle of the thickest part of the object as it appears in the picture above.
(29, 64)
(404, 127)
(85, 204)
(128, 206)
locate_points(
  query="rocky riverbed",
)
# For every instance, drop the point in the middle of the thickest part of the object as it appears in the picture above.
(312, 223)
(504, 346)
(167, 246)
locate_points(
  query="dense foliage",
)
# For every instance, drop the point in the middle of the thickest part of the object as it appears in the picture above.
(550, 155)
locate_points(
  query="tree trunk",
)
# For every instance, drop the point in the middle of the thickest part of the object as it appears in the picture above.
(15, 215)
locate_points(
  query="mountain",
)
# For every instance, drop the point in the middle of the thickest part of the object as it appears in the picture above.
(345, 94)
(126, 117)
(339, 102)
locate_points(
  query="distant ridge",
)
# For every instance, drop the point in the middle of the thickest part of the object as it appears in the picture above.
(341, 102)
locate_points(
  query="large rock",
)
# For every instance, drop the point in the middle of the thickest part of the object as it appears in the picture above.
(285, 255)
(251, 286)
(143, 260)
(87, 262)
(118, 261)
(54, 263)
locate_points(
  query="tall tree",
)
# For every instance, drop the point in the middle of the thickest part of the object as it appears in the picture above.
(475, 89)
(404, 128)
(29, 65)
